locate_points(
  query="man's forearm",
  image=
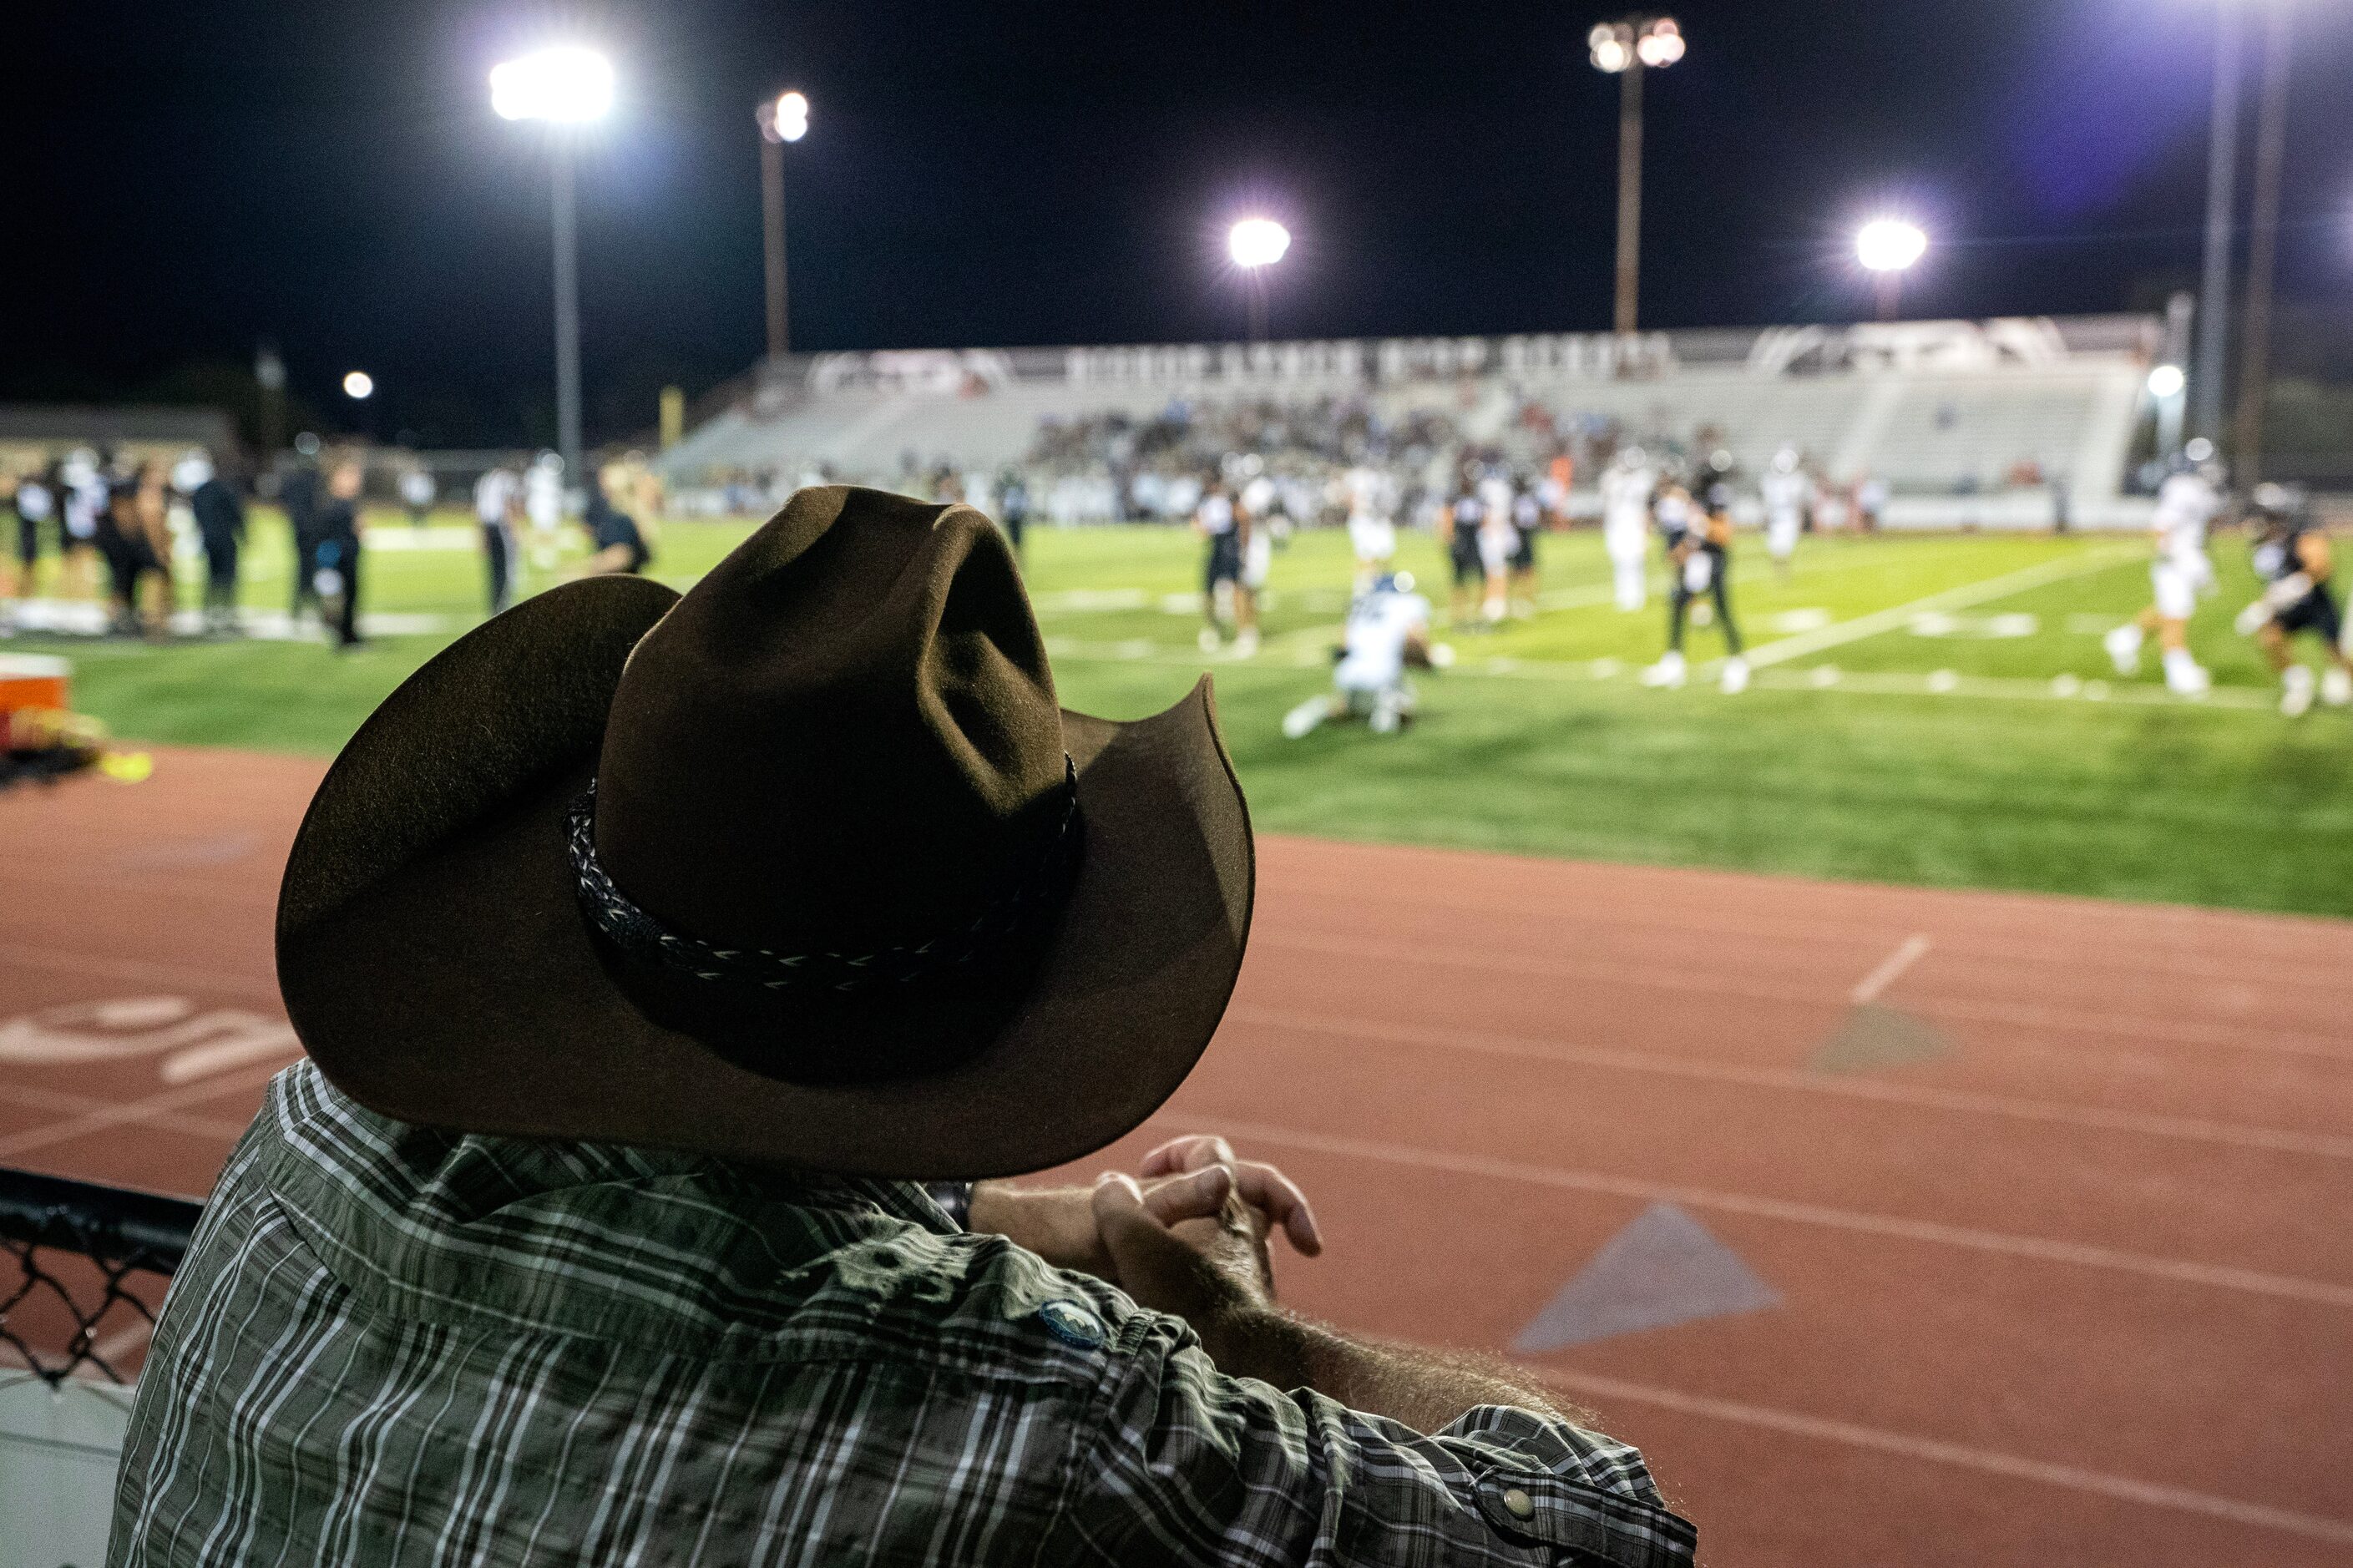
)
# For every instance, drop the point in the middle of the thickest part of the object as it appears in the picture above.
(1423, 1389)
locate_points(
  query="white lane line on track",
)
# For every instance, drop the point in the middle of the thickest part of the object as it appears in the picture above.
(131, 1111)
(2083, 1255)
(204, 982)
(1838, 633)
(2069, 1478)
(2015, 1108)
(81, 1104)
(2018, 1015)
(2136, 950)
(1890, 969)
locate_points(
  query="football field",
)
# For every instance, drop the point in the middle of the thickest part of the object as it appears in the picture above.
(1932, 709)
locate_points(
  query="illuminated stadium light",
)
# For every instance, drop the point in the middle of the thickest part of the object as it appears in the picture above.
(2165, 381)
(359, 385)
(1258, 242)
(1661, 43)
(786, 118)
(1889, 244)
(567, 83)
(1611, 45)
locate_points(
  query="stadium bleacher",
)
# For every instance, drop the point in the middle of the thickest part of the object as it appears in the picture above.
(1997, 423)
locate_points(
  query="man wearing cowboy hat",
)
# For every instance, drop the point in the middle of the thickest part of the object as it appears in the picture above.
(649, 952)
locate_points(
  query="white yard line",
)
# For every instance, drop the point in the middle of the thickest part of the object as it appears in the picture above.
(1890, 969)
(2098, 559)
(1865, 683)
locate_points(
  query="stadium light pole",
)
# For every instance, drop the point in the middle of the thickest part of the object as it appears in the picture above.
(565, 87)
(1888, 248)
(2222, 175)
(2262, 250)
(1627, 50)
(1256, 244)
(781, 119)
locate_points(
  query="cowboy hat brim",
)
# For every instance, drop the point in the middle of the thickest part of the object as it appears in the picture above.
(436, 962)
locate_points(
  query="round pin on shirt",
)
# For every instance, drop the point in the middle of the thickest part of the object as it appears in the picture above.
(1072, 1325)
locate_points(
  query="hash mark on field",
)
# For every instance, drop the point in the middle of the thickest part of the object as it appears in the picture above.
(2089, 561)
(1890, 969)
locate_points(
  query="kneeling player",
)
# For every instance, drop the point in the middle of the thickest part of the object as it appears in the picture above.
(1388, 632)
(2292, 557)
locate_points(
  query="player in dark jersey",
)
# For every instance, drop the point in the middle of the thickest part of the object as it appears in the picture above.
(1459, 523)
(1527, 522)
(620, 545)
(1699, 561)
(2292, 558)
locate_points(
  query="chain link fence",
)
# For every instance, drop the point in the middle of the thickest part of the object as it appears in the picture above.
(82, 1270)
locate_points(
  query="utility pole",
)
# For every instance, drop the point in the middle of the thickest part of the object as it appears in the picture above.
(2255, 332)
(1629, 50)
(567, 318)
(1630, 197)
(772, 235)
(2221, 176)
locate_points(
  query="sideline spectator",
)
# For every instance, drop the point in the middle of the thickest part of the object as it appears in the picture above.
(220, 528)
(34, 502)
(300, 495)
(335, 559)
(416, 493)
(538, 1256)
(498, 503)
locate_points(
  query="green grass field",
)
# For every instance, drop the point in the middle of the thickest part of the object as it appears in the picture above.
(1932, 709)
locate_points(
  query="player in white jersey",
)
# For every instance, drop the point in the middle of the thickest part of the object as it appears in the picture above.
(1217, 519)
(543, 504)
(1372, 521)
(497, 497)
(85, 502)
(1787, 492)
(2186, 503)
(1626, 490)
(1498, 543)
(1388, 632)
(1260, 515)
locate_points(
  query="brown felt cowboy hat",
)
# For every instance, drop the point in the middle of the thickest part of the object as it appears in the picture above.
(806, 866)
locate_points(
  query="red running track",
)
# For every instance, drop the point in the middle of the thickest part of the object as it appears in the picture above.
(2074, 1285)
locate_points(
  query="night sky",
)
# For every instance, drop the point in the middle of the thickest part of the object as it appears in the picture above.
(189, 179)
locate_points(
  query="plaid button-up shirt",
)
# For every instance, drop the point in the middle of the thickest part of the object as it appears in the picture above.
(395, 1346)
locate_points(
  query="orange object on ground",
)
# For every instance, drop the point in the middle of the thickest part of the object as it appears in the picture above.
(33, 681)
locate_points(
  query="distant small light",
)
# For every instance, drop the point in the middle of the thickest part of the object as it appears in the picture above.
(1889, 244)
(359, 384)
(2199, 450)
(1258, 242)
(2165, 381)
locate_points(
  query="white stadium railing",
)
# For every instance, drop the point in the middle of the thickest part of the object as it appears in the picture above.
(1966, 423)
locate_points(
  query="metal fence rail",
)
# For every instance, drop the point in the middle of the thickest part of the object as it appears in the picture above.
(81, 1269)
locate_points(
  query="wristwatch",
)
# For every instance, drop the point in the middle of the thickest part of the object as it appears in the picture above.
(956, 1198)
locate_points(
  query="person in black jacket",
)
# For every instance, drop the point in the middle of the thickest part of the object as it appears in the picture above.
(335, 556)
(220, 527)
(300, 495)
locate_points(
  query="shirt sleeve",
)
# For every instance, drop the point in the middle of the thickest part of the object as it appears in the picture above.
(1191, 1466)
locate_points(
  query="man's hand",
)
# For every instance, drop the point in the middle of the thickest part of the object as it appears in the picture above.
(1058, 1223)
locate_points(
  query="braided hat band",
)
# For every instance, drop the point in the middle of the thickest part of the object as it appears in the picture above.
(1009, 915)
